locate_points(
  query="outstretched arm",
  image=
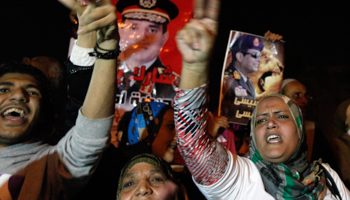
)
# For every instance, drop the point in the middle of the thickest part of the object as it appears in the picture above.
(205, 158)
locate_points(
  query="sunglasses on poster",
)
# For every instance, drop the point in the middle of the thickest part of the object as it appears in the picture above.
(254, 54)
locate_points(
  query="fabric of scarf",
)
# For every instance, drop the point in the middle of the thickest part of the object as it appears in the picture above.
(146, 119)
(140, 128)
(295, 178)
(161, 165)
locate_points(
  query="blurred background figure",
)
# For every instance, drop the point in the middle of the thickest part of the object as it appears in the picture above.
(55, 72)
(341, 142)
(342, 122)
(51, 67)
(317, 143)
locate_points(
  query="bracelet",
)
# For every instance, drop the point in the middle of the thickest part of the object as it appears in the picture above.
(111, 54)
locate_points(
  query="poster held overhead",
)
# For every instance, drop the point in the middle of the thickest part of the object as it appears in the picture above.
(253, 68)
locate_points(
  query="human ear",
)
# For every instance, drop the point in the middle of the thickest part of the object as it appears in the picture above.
(239, 56)
(26, 60)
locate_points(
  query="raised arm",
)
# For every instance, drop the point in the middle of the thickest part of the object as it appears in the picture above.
(99, 100)
(205, 158)
(81, 149)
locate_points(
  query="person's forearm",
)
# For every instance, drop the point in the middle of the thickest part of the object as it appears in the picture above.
(205, 158)
(99, 100)
(87, 40)
(193, 75)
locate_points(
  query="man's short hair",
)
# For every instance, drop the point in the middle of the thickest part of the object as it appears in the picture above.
(245, 42)
(43, 128)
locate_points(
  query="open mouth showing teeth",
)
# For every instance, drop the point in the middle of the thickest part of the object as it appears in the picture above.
(273, 137)
(14, 112)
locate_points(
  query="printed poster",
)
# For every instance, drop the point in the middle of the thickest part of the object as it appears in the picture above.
(253, 68)
(149, 61)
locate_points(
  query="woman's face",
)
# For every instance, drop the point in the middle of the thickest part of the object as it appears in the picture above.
(275, 131)
(165, 143)
(144, 181)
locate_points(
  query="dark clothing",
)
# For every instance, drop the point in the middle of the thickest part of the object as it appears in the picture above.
(322, 149)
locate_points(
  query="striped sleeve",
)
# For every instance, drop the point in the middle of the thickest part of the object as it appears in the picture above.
(205, 158)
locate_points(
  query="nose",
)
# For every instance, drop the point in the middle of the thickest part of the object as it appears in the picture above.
(258, 59)
(271, 124)
(19, 95)
(303, 100)
(142, 35)
(143, 188)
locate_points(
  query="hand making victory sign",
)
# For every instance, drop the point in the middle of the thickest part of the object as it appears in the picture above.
(195, 42)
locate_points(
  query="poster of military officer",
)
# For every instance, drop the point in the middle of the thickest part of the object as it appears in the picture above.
(253, 68)
(149, 59)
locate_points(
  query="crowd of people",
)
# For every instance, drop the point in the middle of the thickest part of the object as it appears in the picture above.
(83, 134)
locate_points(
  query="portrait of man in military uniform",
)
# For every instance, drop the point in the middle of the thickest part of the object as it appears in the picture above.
(143, 32)
(238, 93)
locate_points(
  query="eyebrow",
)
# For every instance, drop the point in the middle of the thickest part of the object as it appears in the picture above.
(276, 112)
(6, 83)
(26, 86)
(132, 174)
(155, 25)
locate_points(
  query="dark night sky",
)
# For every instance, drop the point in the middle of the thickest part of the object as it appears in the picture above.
(316, 34)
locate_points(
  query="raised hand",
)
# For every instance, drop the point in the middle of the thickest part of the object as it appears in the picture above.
(195, 42)
(273, 37)
(94, 16)
(215, 123)
(196, 39)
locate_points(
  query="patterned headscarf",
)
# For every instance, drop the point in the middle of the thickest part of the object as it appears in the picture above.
(145, 122)
(140, 128)
(295, 178)
(161, 165)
